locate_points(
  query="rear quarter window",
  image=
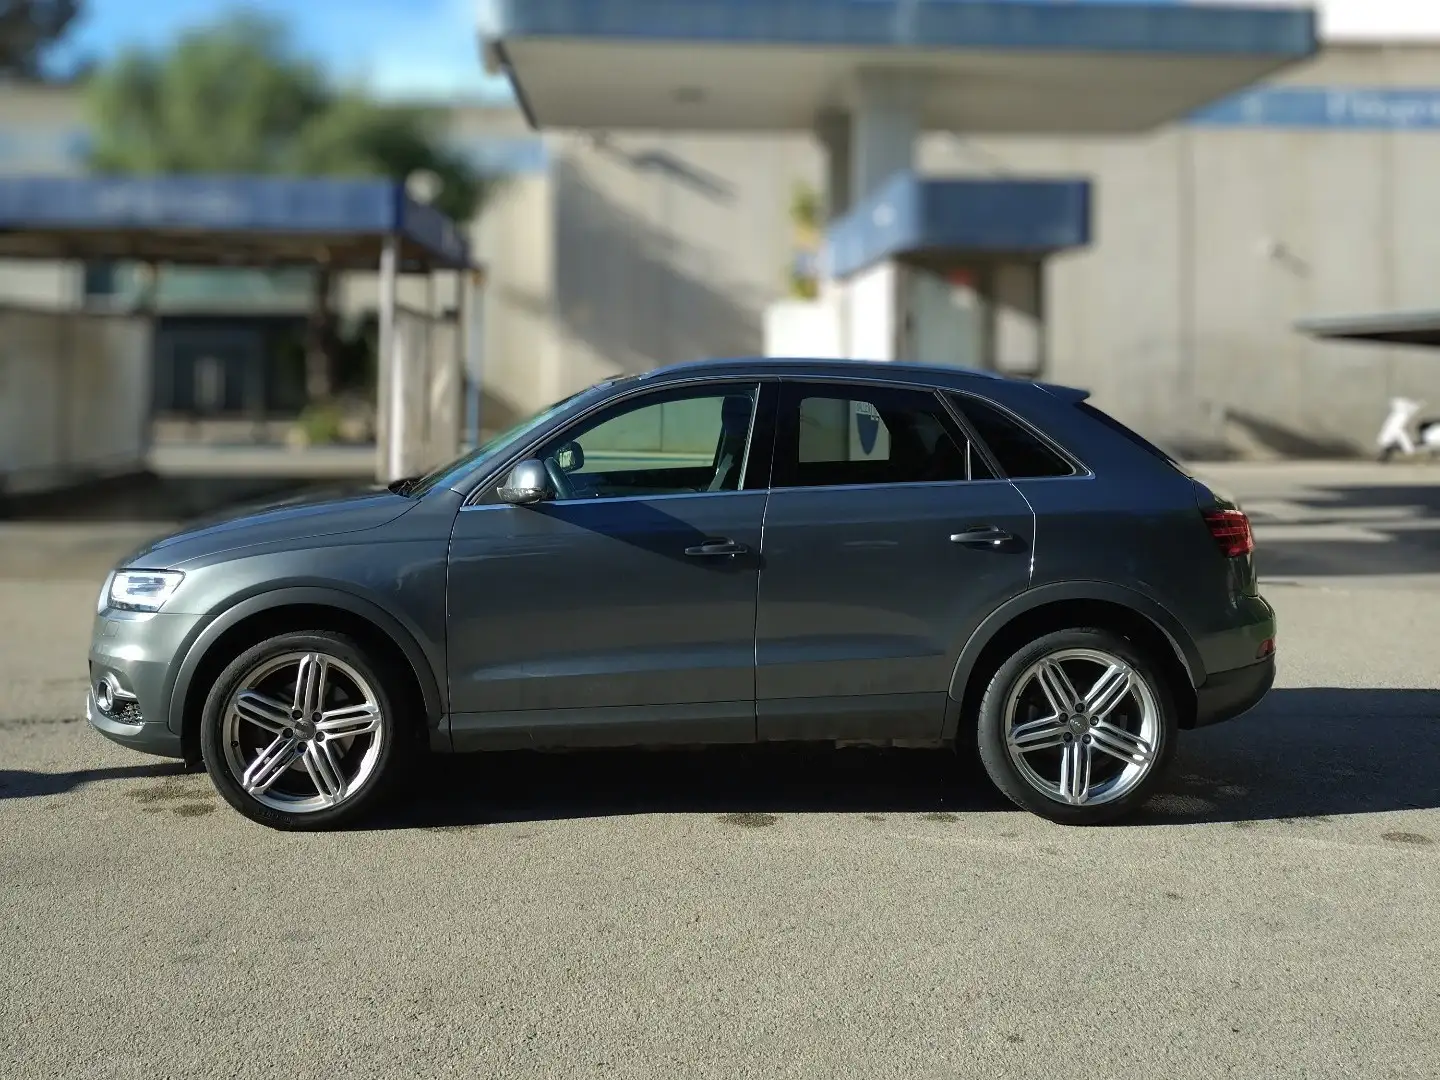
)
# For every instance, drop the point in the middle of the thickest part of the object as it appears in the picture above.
(1134, 437)
(1020, 452)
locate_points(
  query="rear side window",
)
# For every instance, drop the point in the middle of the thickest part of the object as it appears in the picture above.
(1021, 453)
(848, 434)
(1134, 437)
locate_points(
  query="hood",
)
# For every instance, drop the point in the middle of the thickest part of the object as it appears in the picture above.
(325, 513)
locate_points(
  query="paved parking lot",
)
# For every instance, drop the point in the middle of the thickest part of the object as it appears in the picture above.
(1274, 914)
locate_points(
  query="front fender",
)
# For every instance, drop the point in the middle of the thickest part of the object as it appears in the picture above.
(403, 636)
(1055, 592)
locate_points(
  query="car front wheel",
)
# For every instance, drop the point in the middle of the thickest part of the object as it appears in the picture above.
(1077, 726)
(299, 732)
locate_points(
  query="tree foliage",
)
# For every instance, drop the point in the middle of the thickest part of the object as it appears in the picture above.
(27, 29)
(235, 98)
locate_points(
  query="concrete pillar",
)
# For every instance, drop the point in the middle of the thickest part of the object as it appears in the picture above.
(885, 127)
(392, 367)
(833, 131)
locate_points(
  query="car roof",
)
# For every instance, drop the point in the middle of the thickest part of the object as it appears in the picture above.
(807, 366)
(946, 375)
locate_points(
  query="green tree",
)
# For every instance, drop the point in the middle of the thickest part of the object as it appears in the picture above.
(236, 98)
(27, 29)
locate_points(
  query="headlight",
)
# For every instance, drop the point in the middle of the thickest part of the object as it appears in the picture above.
(143, 590)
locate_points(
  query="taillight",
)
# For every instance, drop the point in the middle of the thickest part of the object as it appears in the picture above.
(1231, 530)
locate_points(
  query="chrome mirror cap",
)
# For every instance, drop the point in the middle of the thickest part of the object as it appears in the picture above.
(527, 484)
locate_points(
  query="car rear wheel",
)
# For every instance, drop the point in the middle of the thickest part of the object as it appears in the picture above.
(299, 732)
(1078, 726)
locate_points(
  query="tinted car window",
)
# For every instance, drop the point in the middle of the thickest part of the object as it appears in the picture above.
(1134, 436)
(674, 442)
(1017, 450)
(846, 434)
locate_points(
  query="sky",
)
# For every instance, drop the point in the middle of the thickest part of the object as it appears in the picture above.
(397, 47)
(428, 48)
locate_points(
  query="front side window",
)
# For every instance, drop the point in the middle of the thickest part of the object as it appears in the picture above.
(846, 434)
(676, 442)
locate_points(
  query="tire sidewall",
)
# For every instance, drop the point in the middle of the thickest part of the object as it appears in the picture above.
(991, 729)
(212, 731)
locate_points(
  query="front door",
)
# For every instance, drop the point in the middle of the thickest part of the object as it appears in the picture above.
(886, 542)
(622, 611)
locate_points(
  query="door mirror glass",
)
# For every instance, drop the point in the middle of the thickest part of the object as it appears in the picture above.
(527, 484)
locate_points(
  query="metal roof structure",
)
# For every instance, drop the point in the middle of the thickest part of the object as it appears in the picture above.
(1011, 66)
(225, 221)
(1399, 328)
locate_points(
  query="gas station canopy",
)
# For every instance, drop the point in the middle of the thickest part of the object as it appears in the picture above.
(1401, 328)
(979, 66)
(256, 221)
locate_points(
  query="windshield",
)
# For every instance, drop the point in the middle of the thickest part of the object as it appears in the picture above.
(465, 463)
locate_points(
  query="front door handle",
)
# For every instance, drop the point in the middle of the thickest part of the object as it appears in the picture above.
(992, 535)
(712, 548)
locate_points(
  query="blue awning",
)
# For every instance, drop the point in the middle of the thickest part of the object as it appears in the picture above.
(1151, 26)
(911, 216)
(213, 220)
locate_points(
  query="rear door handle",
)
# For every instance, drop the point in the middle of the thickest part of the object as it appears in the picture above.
(712, 548)
(982, 534)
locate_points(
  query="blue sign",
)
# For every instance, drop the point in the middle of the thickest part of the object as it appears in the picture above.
(1344, 107)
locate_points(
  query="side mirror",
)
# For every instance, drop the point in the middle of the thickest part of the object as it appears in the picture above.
(527, 484)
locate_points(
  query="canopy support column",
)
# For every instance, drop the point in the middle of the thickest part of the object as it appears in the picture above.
(473, 307)
(392, 368)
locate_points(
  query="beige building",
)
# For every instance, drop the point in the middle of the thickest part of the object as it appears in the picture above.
(1314, 195)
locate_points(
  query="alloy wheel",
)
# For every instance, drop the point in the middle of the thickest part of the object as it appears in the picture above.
(302, 733)
(1083, 727)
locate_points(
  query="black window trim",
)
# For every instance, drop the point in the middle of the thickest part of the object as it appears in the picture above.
(491, 479)
(1081, 470)
(937, 392)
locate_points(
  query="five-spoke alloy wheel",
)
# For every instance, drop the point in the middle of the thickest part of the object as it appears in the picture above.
(1077, 726)
(298, 731)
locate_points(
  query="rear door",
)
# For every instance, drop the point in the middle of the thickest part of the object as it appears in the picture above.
(887, 540)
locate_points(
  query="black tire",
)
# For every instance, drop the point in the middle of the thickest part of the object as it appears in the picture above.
(396, 743)
(993, 726)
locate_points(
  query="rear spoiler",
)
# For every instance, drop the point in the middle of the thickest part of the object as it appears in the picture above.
(1069, 394)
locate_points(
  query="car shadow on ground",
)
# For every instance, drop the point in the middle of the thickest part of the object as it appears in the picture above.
(24, 784)
(1303, 754)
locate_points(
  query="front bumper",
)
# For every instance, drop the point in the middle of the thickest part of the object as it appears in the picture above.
(148, 738)
(137, 655)
(1228, 694)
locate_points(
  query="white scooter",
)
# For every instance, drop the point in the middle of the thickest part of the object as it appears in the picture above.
(1395, 435)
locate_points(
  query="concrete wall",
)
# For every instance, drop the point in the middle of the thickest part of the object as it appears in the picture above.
(74, 397)
(1211, 242)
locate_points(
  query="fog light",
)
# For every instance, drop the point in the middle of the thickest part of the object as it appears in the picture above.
(105, 696)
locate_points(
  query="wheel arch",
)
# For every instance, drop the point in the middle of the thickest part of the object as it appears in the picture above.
(303, 608)
(1063, 605)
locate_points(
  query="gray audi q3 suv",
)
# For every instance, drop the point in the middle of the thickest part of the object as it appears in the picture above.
(723, 552)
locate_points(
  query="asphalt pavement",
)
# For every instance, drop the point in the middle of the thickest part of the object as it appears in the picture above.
(1275, 911)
